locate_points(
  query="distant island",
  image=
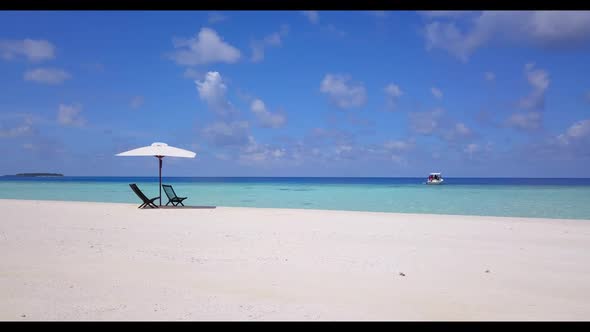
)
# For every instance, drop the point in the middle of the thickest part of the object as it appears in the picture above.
(37, 174)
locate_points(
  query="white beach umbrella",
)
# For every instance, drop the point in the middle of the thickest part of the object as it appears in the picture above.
(158, 150)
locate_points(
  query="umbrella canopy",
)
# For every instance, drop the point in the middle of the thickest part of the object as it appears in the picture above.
(158, 150)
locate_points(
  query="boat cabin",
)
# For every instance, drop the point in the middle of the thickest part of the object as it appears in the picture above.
(434, 176)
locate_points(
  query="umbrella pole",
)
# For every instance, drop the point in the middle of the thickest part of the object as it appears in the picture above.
(160, 159)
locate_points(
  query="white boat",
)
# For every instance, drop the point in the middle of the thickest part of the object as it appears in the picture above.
(435, 178)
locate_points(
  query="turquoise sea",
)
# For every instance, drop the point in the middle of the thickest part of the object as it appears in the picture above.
(514, 197)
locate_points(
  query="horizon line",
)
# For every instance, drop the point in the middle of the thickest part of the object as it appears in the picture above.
(333, 177)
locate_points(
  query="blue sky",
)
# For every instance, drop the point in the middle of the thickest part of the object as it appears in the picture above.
(266, 93)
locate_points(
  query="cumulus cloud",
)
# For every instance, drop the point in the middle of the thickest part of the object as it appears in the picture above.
(478, 152)
(69, 115)
(392, 93)
(262, 154)
(576, 132)
(206, 47)
(534, 103)
(541, 28)
(399, 145)
(266, 118)
(51, 76)
(334, 30)
(539, 81)
(436, 123)
(471, 148)
(274, 39)
(571, 145)
(425, 122)
(436, 93)
(343, 92)
(213, 91)
(312, 15)
(456, 132)
(33, 50)
(527, 120)
(23, 129)
(222, 134)
(137, 102)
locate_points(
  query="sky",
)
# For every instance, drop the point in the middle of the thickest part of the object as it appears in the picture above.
(297, 93)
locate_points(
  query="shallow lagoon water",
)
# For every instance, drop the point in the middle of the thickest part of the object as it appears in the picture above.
(542, 198)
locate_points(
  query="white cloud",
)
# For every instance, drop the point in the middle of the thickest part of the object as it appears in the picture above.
(435, 122)
(458, 131)
(69, 115)
(462, 129)
(393, 90)
(579, 129)
(275, 39)
(51, 76)
(234, 133)
(399, 146)
(477, 150)
(312, 15)
(489, 76)
(334, 30)
(342, 92)
(21, 130)
(526, 120)
(137, 102)
(471, 148)
(401, 161)
(261, 154)
(392, 93)
(448, 37)
(33, 50)
(534, 103)
(542, 28)
(436, 93)
(266, 118)
(213, 91)
(425, 122)
(539, 81)
(576, 132)
(206, 47)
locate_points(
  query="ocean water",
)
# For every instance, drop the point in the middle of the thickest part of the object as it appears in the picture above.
(512, 197)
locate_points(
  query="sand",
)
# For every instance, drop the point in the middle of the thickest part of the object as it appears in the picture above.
(103, 261)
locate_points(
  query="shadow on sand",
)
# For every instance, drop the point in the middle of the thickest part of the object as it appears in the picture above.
(186, 207)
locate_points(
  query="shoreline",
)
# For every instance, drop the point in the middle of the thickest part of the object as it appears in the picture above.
(111, 261)
(435, 215)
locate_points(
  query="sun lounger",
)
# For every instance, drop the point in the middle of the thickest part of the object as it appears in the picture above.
(172, 198)
(146, 201)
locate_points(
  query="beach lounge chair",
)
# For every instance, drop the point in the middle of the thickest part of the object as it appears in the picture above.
(146, 201)
(172, 198)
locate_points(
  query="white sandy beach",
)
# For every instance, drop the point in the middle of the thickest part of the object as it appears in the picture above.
(102, 261)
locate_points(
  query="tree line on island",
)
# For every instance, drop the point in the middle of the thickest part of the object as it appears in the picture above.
(36, 174)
